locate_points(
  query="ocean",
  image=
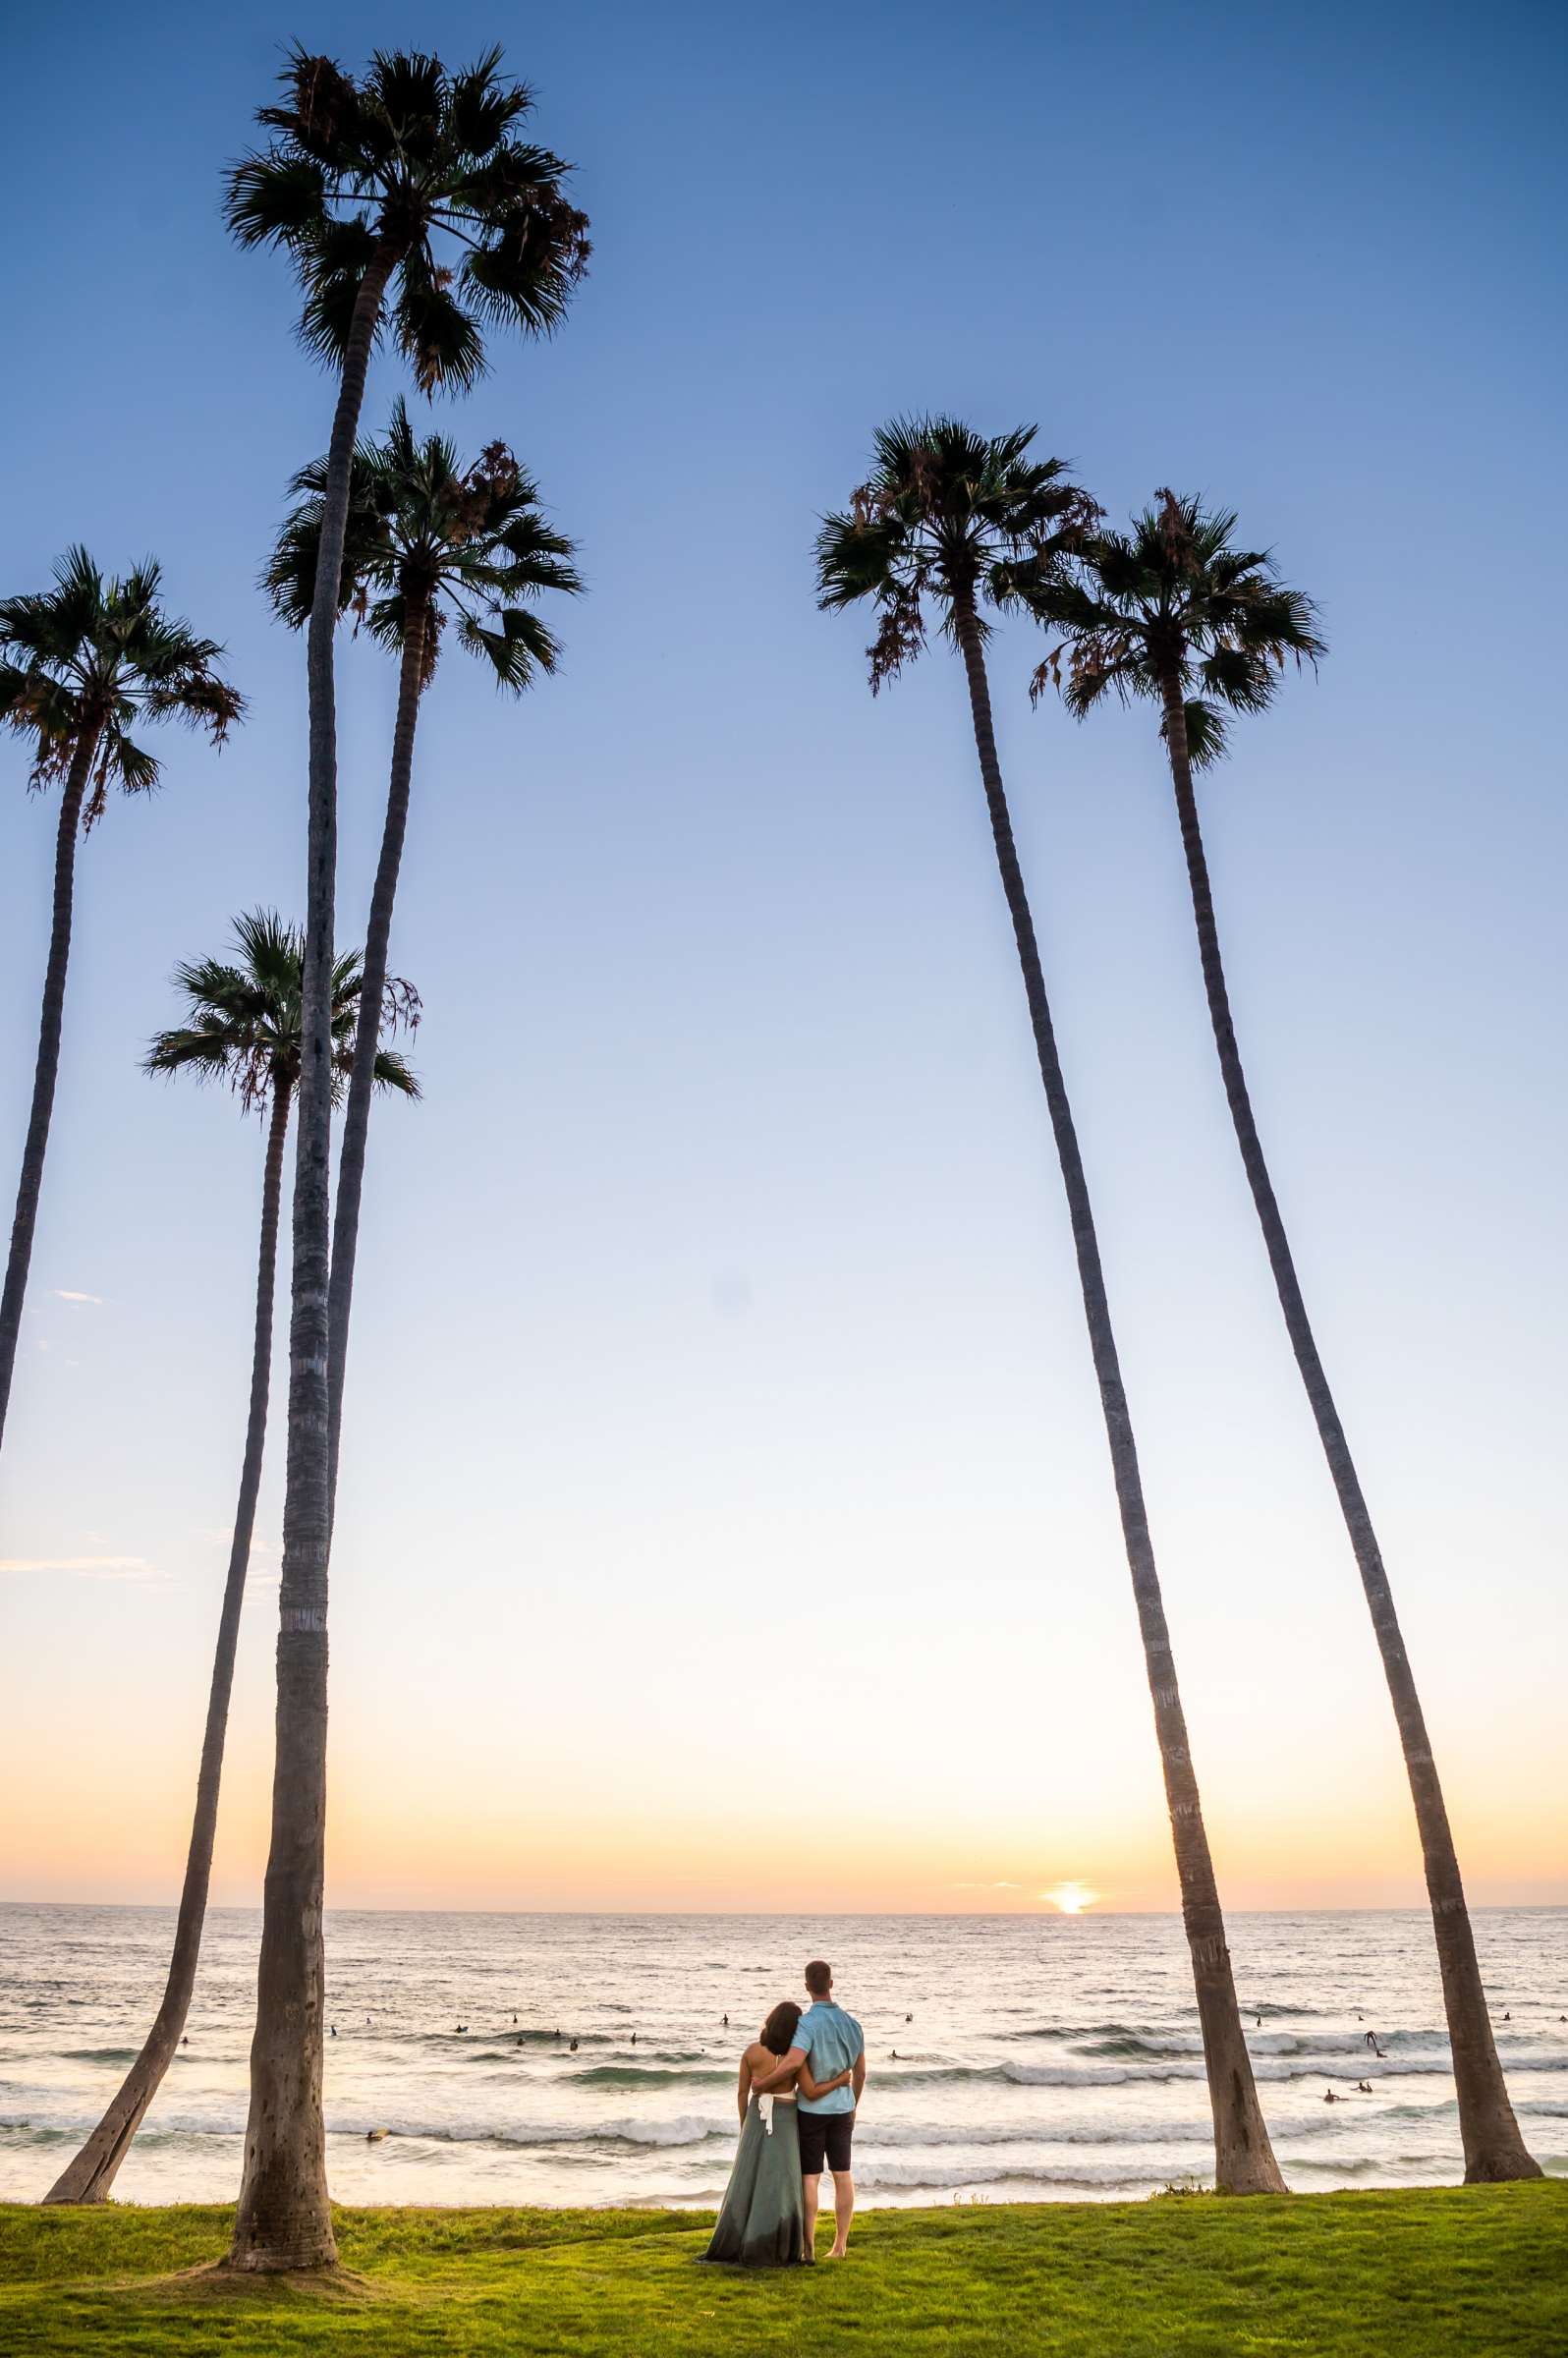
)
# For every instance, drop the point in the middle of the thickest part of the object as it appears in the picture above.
(1010, 2058)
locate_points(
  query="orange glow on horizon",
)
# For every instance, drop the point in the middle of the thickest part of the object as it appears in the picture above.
(1072, 1897)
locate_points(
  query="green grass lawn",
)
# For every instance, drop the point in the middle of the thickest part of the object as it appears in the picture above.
(1447, 2274)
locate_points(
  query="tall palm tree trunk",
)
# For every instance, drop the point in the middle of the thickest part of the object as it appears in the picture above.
(367, 1036)
(47, 1068)
(1493, 2147)
(89, 2178)
(283, 2220)
(1244, 2160)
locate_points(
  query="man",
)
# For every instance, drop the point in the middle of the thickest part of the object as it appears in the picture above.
(834, 2042)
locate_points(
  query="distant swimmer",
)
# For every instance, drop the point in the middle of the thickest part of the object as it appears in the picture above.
(374, 2136)
(185, 2041)
(1259, 2022)
(334, 2030)
(1329, 2097)
(519, 2039)
(909, 2018)
(1363, 2087)
(1508, 2018)
(726, 2022)
(897, 2057)
(573, 2048)
(634, 2038)
(462, 2029)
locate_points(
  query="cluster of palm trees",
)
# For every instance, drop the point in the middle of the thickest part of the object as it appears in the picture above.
(416, 212)
(1176, 614)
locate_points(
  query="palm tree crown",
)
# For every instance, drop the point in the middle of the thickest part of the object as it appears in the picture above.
(427, 534)
(1172, 606)
(244, 1021)
(91, 658)
(423, 168)
(949, 513)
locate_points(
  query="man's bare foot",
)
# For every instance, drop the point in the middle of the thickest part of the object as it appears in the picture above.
(839, 2251)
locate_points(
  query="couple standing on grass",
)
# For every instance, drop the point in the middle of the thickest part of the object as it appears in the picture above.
(800, 2081)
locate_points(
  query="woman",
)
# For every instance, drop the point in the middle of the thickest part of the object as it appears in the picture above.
(763, 2219)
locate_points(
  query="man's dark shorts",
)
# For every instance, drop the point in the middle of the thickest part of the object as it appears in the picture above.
(825, 2137)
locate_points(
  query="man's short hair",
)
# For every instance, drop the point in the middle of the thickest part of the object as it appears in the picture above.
(818, 1978)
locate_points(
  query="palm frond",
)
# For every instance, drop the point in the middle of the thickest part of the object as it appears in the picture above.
(394, 1072)
(521, 645)
(1206, 731)
(413, 164)
(245, 1015)
(1173, 605)
(433, 333)
(950, 515)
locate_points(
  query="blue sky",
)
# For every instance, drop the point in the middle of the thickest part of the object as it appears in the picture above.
(724, 1266)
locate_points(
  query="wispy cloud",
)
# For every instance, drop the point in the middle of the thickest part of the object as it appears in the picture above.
(63, 1293)
(1002, 1886)
(100, 1567)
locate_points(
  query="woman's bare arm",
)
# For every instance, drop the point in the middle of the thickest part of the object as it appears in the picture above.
(743, 2090)
(811, 2089)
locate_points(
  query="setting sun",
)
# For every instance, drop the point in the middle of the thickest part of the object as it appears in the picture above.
(1071, 1898)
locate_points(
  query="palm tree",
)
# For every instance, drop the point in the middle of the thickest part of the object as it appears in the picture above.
(81, 665)
(1174, 613)
(428, 540)
(413, 180)
(951, 516)
(243, 1027)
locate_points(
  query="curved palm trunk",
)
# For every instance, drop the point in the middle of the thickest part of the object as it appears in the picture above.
(1244, 2160)
(89, 2178)
(284, 2221)
(367, 1036)
(1493, 2147)
(47, 1068)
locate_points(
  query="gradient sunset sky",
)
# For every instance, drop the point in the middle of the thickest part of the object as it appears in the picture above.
(726, 1518)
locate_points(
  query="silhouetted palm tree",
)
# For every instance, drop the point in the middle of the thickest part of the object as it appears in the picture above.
(428, 542)
(81, 667)
(412, 179)
(952, 517)
(243, 1027)
(1175, 614)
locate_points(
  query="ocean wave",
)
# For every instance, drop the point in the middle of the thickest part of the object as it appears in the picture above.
(1144, 2131)
(644, 2075)
(878, 2136)
(680, 2129)
(1304, 2064)
(488, 2041)
(687, 2128)
(912, 2176)
(1323, 2046)
(1158, 2033)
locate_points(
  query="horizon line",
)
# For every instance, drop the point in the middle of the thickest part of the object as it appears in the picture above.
(1502, 1907)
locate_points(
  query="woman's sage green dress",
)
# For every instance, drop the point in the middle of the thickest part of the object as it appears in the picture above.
(764, 2218)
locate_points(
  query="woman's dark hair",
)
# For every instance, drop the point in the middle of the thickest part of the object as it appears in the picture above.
(778, 2032)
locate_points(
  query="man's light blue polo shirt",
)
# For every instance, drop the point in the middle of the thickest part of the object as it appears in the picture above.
(831, 2041)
